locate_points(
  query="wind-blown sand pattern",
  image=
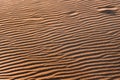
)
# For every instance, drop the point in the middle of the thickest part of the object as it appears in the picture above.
(59, 40)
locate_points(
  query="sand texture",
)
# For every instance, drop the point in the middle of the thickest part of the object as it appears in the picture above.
(59, 39)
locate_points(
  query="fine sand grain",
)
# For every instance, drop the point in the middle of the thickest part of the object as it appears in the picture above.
(59, 39)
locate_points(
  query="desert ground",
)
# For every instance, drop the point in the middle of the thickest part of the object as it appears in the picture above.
(59, 39)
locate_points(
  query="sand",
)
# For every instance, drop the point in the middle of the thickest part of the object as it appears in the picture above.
(59, 39)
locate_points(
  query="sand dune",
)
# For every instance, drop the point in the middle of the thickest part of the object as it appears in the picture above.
(59, 40)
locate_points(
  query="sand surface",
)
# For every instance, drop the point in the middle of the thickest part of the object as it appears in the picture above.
(59, 39)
